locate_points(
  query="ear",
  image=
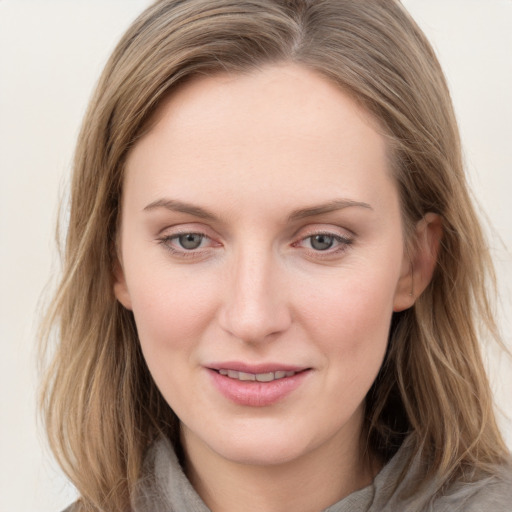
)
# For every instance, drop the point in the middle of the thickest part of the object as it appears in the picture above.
(418, 266)
(120, 287)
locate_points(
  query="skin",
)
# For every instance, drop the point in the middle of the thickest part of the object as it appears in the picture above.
(252, 151)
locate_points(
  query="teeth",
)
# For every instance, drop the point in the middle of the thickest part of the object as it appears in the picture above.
(260, 377)
(265, 377)
(246, 376)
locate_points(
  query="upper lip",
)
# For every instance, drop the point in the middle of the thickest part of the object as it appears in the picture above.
(239, 366)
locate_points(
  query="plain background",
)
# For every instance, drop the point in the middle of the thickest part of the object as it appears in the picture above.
(51, 54)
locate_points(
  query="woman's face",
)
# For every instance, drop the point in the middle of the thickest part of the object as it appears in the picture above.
(261, 252)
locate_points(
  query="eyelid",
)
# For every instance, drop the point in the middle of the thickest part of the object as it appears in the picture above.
(185, 227)
(324, 229)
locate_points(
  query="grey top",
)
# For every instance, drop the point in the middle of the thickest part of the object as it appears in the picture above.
(167, 489)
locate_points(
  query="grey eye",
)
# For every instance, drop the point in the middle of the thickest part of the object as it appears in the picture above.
(190, 241)
(322, 242)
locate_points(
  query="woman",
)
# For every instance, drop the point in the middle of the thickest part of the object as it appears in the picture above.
(273, 274)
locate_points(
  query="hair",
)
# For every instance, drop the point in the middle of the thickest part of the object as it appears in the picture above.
(101, 407)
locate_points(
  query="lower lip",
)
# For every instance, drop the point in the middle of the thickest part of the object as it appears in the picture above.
(257, 394)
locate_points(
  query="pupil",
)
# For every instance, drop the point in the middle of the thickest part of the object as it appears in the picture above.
(190, 240)
(322, 242)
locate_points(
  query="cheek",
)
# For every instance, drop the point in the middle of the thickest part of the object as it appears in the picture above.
(170, 310)
(350, 319)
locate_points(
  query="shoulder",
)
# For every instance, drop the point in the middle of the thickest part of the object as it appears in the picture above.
(401, 487)
(493, 493)
(490, 493)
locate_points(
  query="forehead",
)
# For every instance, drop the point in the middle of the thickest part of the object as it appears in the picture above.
(280, 126)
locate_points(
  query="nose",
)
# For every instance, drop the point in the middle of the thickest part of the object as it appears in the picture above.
(255, 308)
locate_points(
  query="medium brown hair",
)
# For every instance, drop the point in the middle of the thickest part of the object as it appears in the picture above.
(101, 406)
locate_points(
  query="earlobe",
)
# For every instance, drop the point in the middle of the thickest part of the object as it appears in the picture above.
(419, 264)
(120, 287)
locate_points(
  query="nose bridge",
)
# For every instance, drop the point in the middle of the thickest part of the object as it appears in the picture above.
(255, 305)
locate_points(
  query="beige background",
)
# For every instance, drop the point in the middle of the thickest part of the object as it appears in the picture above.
(51, 53)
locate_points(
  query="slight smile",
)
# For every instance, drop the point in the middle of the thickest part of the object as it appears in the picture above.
(256, 385)
(260, 377)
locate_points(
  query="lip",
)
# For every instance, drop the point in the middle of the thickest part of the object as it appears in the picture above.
(256, 394)
(239, 366)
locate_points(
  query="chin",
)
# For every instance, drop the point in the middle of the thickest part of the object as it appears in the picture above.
(261, 453)
(260, 446)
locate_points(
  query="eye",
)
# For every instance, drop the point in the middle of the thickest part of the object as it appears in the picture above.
(187, 244)
(328, 243)
(189, 241)
(322, 242)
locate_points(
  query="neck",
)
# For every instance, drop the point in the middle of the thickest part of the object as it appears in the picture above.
(323, 477)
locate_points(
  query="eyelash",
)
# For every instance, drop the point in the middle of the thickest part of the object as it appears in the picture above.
(343, 243)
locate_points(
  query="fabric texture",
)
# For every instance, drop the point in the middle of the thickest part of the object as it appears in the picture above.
(165, 488)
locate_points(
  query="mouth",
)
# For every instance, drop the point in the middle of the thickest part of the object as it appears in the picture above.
(256, 377)
(257, 385)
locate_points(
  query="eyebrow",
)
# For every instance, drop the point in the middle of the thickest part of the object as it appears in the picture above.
(179, 206)
(197, 211)
(331, 206)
